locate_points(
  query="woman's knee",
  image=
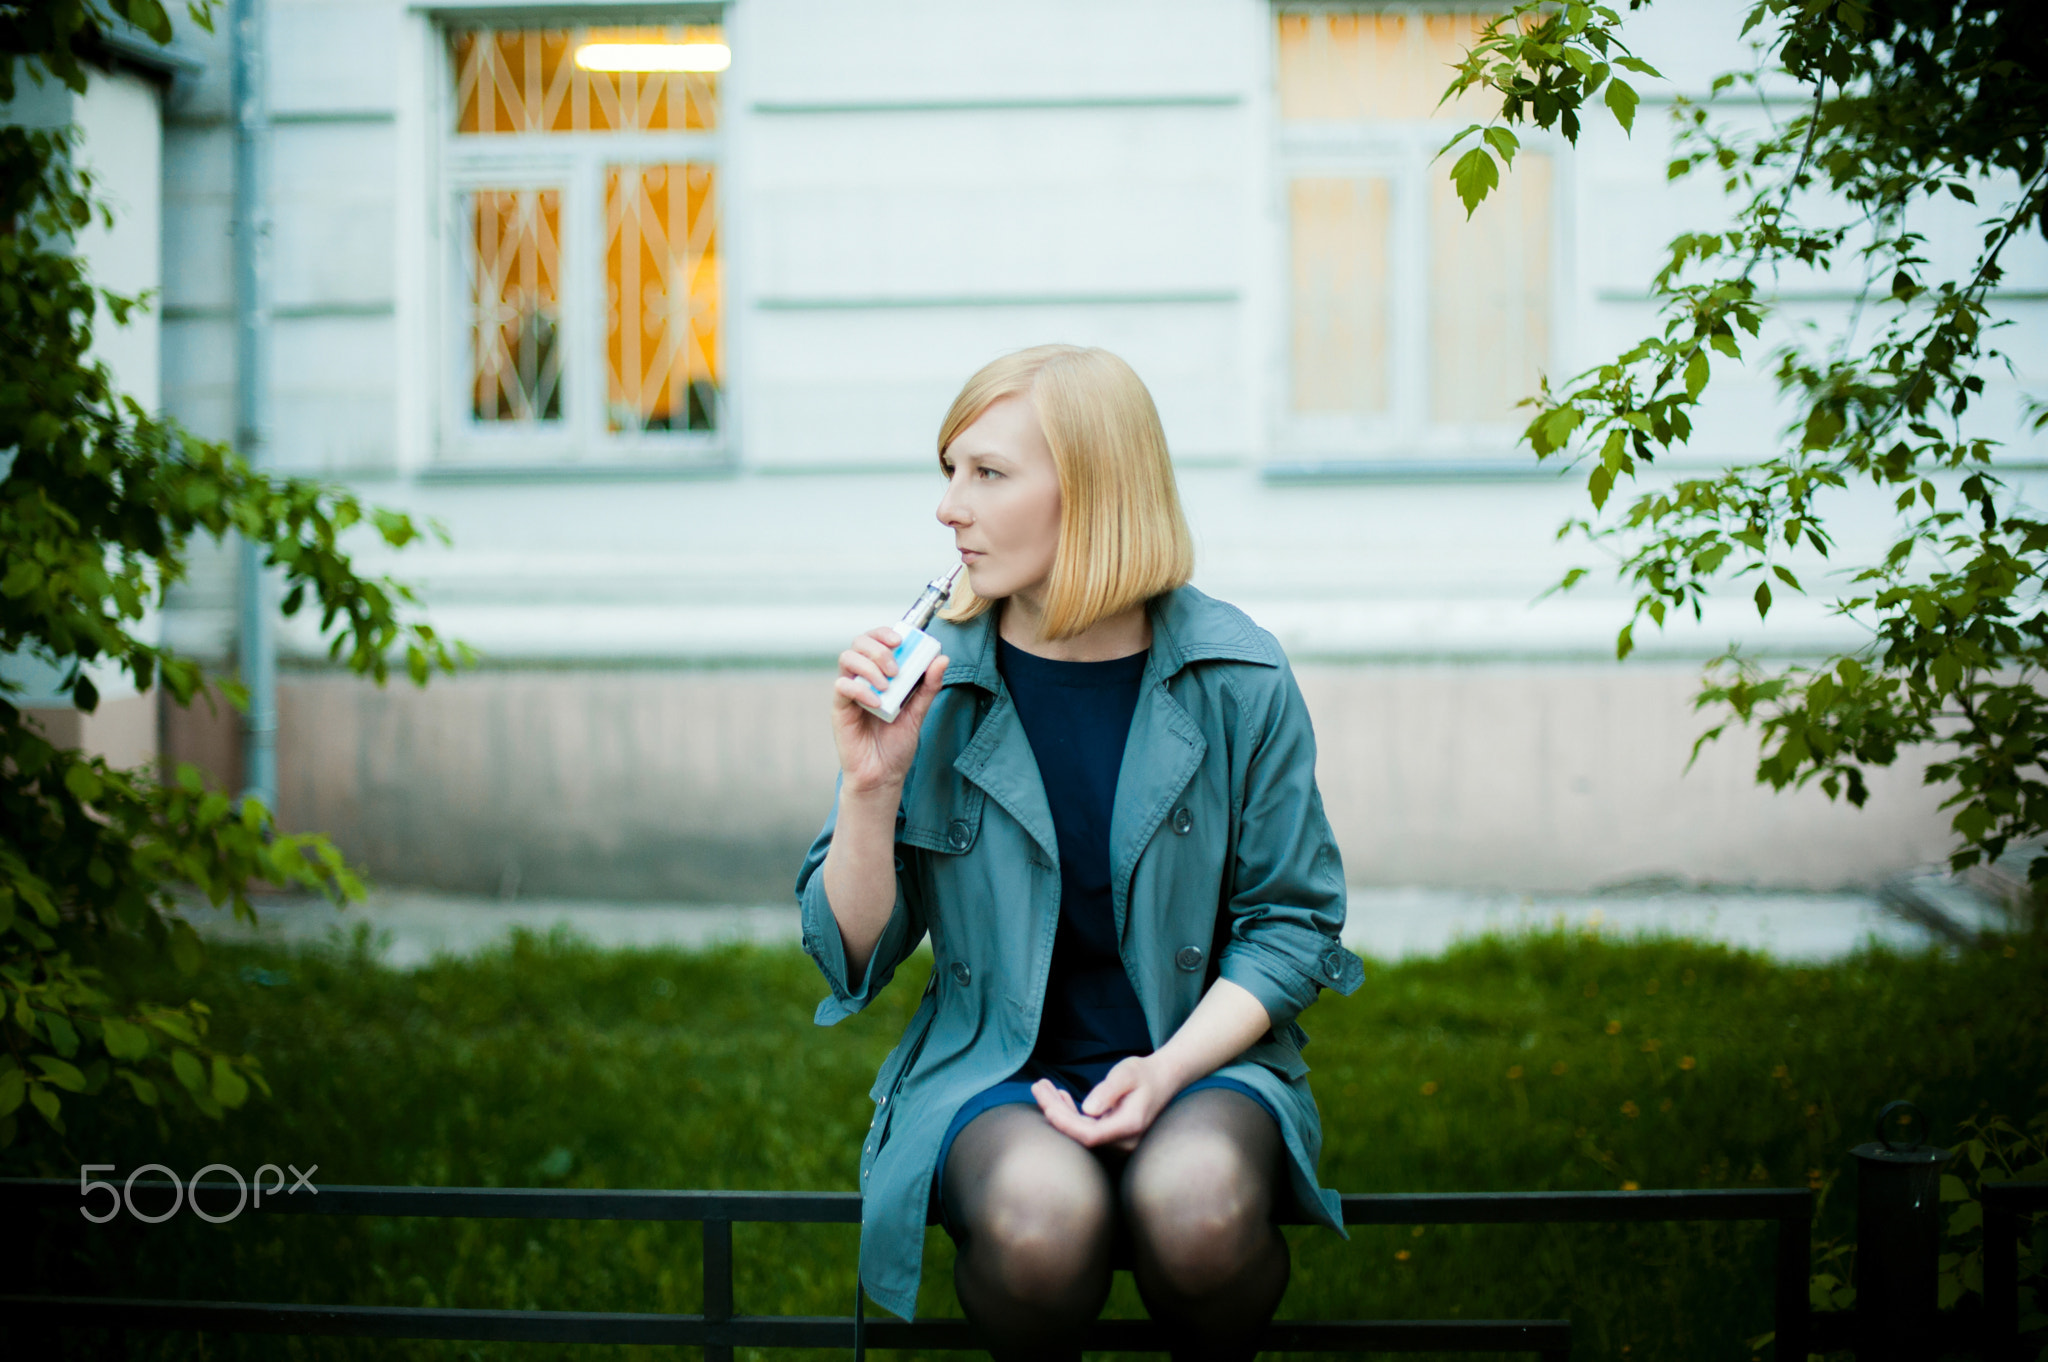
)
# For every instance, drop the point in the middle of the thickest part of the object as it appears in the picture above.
(1200, 1210)
(1041, 1225)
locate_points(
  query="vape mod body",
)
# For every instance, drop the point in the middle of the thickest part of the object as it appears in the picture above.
(915, 648)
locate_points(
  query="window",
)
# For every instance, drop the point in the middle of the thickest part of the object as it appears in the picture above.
(581, 170)
(1411, 330)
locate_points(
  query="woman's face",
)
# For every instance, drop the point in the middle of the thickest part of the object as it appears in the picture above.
(1002, 500)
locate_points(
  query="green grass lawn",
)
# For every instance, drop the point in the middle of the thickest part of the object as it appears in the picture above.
(1555, 1061)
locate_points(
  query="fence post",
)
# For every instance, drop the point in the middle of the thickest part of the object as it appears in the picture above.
(1794, 1272)
(717, 1283)
(1898, 1244)
(2001, 1278)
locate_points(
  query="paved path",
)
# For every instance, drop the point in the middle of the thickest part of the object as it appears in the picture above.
(1389, 924)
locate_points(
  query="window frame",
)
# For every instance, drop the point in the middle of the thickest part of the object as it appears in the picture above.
(1403, 153)
(574, 162)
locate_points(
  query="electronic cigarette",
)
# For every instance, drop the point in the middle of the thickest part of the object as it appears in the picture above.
(915, 648)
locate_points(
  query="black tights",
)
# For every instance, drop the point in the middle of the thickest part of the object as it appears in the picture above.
(1036, 1213)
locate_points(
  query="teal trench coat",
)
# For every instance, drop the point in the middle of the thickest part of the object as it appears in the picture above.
(1221, 863)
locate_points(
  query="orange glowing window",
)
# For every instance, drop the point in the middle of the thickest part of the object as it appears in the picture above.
(1405, 317)
(584, 173)
(529, 80)
(515, 304)
(661, 274)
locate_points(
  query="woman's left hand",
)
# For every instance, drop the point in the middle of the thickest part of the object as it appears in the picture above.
(1118, 1110)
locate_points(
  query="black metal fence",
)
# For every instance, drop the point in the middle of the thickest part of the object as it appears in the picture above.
(718, 1330)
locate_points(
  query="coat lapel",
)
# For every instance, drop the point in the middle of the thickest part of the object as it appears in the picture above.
(999, 761)
(1164, 750)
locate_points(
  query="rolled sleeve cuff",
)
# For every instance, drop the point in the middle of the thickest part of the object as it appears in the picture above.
(823, 943)
(1282, 987)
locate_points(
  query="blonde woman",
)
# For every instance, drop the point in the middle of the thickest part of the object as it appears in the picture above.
(1100, 805)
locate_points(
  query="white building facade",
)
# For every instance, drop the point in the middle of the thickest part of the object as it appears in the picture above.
(666, 353)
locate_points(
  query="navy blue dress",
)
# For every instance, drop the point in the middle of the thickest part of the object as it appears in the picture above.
(1077, 716)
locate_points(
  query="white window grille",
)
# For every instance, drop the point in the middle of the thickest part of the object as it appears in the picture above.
(582, 205)
(1411, 330)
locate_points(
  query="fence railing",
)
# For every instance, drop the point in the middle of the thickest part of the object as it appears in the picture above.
(718, 1329)
(2005, 1203)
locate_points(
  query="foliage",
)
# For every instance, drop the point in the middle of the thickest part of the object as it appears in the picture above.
(1562, 1060)
(98, 505)
(1995, 1151)
(1905, 104)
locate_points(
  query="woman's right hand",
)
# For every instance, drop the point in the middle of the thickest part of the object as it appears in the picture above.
(875, 754)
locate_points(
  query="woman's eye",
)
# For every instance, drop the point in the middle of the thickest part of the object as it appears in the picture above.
(989, 472)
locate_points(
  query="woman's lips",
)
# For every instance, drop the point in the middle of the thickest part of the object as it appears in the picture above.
(969, 555)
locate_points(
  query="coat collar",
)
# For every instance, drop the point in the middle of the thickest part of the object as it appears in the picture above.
(1187, 626)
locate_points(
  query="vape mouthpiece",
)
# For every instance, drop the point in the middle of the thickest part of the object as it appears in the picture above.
(933, 599)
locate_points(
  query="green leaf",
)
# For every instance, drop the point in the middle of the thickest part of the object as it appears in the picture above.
(63, 1036)
(230, 1089)
(21, 579)
(1696, 374)
(144, 1090)
(1952, 1188)
(13, 1088)
(149, 16)
(59, 1072)
(1763, 599)
(47, 1103)
(1503, 142)
(187, 954)
(124, 1040)
(1621, 98)
(186, 1066)
(1624, 642)
(173, 1025)
(1968, 1216)
(80, 780)
(1599, 483)
(1475, 175)
(1462, 134)
(1947, 671)
(1551, 431)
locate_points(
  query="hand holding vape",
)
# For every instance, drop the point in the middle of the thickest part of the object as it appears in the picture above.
(915, 649)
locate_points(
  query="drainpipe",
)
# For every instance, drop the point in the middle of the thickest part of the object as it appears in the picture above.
(257, 645)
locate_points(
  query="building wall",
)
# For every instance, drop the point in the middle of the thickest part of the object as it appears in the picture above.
(909, 190)
(708, 784)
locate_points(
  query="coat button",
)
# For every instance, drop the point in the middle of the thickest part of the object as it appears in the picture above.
(958, 835)
(1189, 958)
(1333, 960)
(1182, 820)
(961, 974)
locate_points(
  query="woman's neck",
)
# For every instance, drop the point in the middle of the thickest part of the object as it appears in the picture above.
(1128, 631)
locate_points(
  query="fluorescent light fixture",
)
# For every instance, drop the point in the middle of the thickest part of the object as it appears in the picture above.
(654, 56)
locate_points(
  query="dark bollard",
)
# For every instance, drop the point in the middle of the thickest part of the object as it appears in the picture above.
(1898, 1241)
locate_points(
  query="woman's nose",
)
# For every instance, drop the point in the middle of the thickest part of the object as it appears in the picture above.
(951, 513)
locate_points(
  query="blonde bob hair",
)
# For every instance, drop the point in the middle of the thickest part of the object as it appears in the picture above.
(1123, 538)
